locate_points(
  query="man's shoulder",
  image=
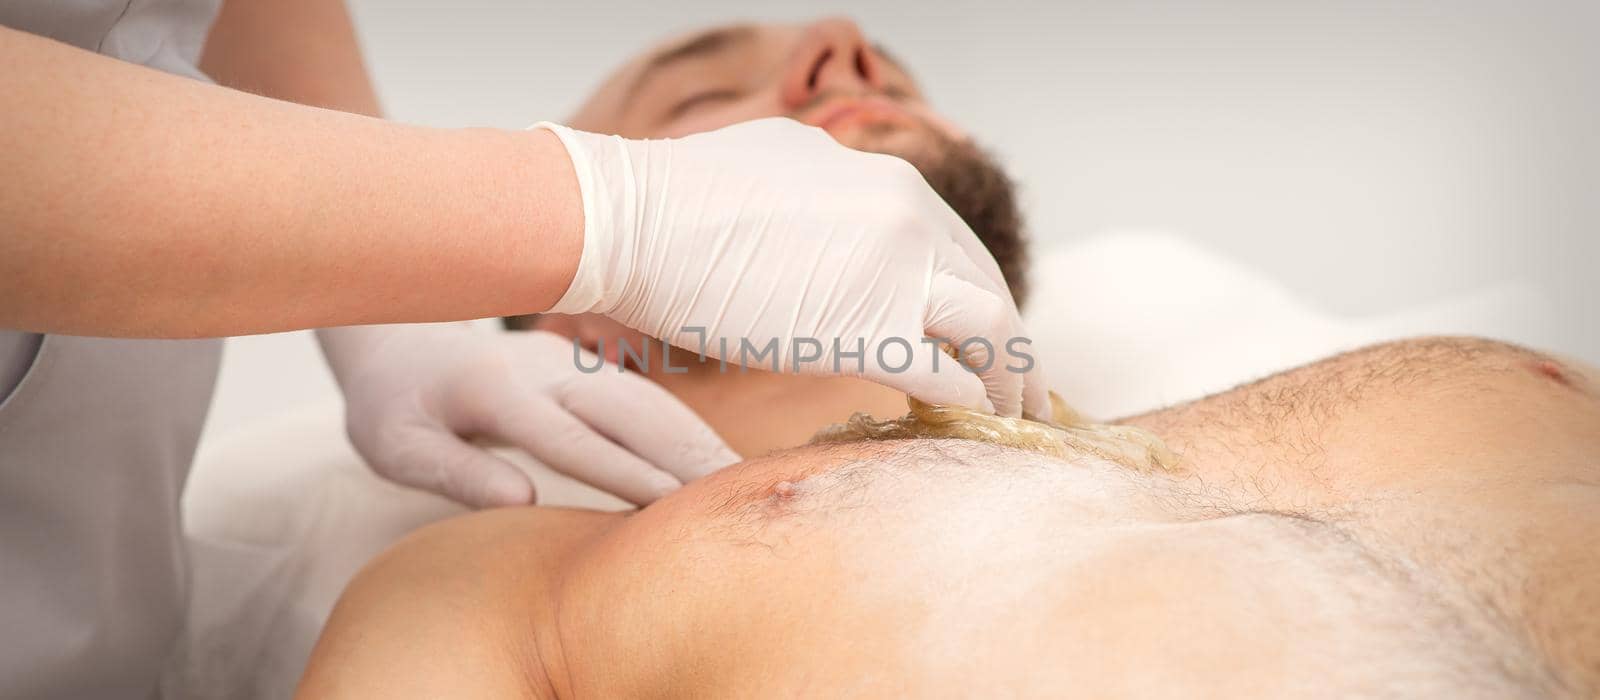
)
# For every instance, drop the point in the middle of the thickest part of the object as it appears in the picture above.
(452, 610)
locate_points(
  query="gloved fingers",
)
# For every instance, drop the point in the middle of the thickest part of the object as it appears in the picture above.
(1035, 387)
(977, 254)
(980, 326)
(648, 421)
(1011, 365)
(441, 462)
(928, 374)
(1020, 355)
(1015, 349)
(567, 444)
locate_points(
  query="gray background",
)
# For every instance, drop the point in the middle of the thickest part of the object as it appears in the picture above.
(1370, 156)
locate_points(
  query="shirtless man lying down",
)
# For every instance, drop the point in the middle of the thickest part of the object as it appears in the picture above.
(1412, 519)
(1415, 519)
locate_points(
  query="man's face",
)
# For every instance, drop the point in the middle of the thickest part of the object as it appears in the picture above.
(824, 73)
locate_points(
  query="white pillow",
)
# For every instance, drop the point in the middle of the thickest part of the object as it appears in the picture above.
(1133, 321)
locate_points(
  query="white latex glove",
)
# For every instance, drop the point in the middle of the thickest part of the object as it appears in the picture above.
(416, 394)
(770, 229)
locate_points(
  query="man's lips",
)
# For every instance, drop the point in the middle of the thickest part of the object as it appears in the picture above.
(836, 115)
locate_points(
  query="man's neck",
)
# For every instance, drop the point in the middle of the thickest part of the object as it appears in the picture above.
(758, 411)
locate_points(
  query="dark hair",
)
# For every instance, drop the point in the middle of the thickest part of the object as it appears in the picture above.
(973, 184)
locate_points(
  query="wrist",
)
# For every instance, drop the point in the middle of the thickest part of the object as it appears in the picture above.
(591, 165)
(564, 213)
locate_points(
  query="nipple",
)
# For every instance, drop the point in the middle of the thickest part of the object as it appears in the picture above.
(1552, 370)
(784, 490)
(783, 496)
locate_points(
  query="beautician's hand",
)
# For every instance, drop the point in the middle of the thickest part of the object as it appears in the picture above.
(771, 231)
(417, 395)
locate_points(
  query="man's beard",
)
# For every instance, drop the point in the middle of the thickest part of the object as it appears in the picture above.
(970, 181)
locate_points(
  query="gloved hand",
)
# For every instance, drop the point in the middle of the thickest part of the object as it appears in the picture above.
(771, 231)
(416, 394)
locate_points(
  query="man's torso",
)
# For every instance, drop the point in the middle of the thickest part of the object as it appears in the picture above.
(1412, 519)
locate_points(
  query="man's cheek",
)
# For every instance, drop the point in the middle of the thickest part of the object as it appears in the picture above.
(936, 121)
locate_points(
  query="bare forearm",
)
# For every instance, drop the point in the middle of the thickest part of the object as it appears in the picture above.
(141, 204)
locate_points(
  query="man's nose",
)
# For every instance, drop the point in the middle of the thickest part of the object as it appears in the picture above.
(832, 56)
